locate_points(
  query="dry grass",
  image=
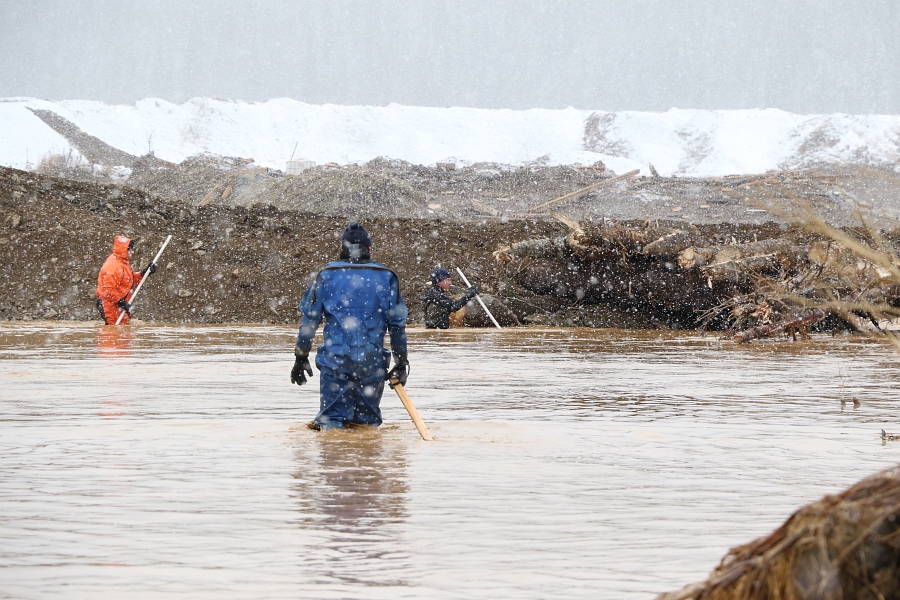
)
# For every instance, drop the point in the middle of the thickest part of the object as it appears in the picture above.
(840, 548)
(859, 301)
(64, 165)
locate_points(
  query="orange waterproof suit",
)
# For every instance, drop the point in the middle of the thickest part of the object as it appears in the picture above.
(115, 281)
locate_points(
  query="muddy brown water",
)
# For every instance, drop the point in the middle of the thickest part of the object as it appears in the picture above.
(174, 461)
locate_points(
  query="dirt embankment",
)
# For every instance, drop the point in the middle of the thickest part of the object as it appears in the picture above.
(234, 263)
(393, 188)
(389, 188)
(225, 263)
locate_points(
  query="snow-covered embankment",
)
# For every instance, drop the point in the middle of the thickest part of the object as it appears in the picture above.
(676, 142)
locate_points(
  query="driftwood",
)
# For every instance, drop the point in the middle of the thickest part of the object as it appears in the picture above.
(672, 244)
(840, 263)
(684, 279)
(541, 208)
(603, 242)
(787, 251)
(843, 546)
(694, 258)
(740, 269)
(795, 324)
(629, 238)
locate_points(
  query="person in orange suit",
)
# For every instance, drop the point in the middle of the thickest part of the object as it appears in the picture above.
(115, 281)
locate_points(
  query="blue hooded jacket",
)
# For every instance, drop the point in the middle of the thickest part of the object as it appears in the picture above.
(360, 302)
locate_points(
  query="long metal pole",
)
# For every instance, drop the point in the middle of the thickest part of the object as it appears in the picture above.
(134, 295)
(480, 301)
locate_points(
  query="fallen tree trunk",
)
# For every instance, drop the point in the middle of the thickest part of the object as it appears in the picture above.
(672, 244)
(540, 248)
(611, 241)
(738, 270)
(840, 263)
(795, 324)
(788, 252)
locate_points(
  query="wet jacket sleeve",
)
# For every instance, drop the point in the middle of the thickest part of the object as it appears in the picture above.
(397, 315)
(312, 310)
(445, 302)
(458, 304)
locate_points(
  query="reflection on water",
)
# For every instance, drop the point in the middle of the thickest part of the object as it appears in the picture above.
(114, 341)
(352, 484)
(176, 462)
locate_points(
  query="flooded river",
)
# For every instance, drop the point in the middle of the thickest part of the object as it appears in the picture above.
(175, 462)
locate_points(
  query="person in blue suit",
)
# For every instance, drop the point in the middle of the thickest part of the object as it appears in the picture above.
(360, 302)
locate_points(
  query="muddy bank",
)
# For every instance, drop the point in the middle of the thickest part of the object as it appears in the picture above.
(225, 263)
(393, 188)
(234, 263)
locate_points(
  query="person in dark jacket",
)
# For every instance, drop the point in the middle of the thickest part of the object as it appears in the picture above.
(360, 302)
(438, 304)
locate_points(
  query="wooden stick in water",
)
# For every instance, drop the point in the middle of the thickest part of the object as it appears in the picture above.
(411, 409)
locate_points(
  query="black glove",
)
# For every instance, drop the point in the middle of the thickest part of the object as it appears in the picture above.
(124, 306)
(400, 372)
(471, 293)
(301, 364)
(151, 269)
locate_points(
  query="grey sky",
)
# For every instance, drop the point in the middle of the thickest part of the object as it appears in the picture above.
(798, 55)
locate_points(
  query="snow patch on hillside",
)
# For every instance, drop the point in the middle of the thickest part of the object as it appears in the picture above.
(677, 142)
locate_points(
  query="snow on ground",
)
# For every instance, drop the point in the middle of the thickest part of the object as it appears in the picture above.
(676, 142)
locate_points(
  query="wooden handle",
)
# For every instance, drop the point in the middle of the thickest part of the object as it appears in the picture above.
(411, 409)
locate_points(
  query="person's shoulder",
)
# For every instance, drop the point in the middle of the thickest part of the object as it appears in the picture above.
(343, 266)
(112, 261)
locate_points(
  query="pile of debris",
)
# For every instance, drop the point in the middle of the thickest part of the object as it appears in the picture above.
(781, 280)
(841, 547)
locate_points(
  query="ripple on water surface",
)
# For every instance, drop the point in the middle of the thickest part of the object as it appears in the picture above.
(175, 461)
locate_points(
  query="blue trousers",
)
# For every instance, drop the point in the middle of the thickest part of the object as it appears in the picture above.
(346, 398)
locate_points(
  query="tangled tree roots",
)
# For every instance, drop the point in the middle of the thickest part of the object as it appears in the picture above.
(785, 284)
(843, 547)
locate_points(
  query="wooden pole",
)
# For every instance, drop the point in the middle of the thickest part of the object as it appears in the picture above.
(411, 409)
